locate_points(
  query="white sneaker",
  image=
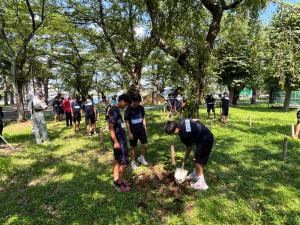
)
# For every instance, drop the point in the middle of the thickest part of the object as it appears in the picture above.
(199, 185)
(192, 176)
(133, 165)
(142, 160)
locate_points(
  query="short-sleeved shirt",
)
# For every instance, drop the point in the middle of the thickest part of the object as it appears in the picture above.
(76, 106)
(88, 108)
(193, 133)
(225, 102)
(135, 117)
(210, 100)
(67, 106)
(172, 101)
(115, 118)
(56, 103)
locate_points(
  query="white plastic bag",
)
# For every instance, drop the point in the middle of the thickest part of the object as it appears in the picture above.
(180, 174)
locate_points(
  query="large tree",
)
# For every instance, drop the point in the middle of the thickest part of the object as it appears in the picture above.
(187, 30)
(285, 47)
(124, 28)
(19, 22)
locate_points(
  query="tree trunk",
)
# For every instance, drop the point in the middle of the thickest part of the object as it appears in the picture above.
(231, 95)
(5, 91)
(12, 98)
(271, 96)
(46, 89)
(17, 92)
(287, 99)
(254, 95)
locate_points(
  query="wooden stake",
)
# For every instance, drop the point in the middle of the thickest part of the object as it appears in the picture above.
(173, 155)
(164, 109)
(101, 136)
(250, 121)
(285, 148)
(293, 130)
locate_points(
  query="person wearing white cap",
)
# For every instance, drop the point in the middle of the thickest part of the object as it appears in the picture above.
(38, 118)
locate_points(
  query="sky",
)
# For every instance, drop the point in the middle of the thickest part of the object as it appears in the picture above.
(271, 9)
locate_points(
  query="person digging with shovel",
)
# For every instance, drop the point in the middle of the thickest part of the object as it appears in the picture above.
(194, 133)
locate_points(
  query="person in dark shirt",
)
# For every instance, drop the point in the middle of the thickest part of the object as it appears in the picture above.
(210, 105)
(90, 113)
(297, 126)
(76, 112)
(1, 124)
(194, 133)
(225, 107)
(171, 105)
(55, 105)
(119, 141)
(137, 129)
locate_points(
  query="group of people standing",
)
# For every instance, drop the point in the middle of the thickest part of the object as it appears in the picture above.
(210, 102)
(73, 109)
(176, 103)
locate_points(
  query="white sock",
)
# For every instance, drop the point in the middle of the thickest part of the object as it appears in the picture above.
(200, 178)
(142, 157)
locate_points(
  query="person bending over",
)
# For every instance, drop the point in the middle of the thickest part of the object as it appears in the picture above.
(194, 133)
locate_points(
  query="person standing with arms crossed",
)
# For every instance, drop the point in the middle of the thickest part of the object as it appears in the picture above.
(38, 118)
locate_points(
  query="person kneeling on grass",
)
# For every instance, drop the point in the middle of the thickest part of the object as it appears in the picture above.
(297, 126)
(194, 133)
(118, 137)
(137, 129)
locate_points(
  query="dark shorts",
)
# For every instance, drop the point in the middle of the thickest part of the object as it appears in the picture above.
(139, 136)
(77, 117)
(56, 111)
(90, 119)
(225, 111)
(121, 155)
(210, 107)
(203, 151)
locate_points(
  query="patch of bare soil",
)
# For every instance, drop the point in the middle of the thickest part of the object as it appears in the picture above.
(5, 150)
(160, 182)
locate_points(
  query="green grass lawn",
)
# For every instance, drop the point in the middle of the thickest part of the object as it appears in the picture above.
(69, 181)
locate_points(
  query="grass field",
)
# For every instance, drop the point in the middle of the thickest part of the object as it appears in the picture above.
(69, 181)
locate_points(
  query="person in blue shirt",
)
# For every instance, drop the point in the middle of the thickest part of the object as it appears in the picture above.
(194, 133)
(119, 141)
(137, 129)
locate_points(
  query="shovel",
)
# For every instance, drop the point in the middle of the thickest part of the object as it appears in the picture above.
(180, 174)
